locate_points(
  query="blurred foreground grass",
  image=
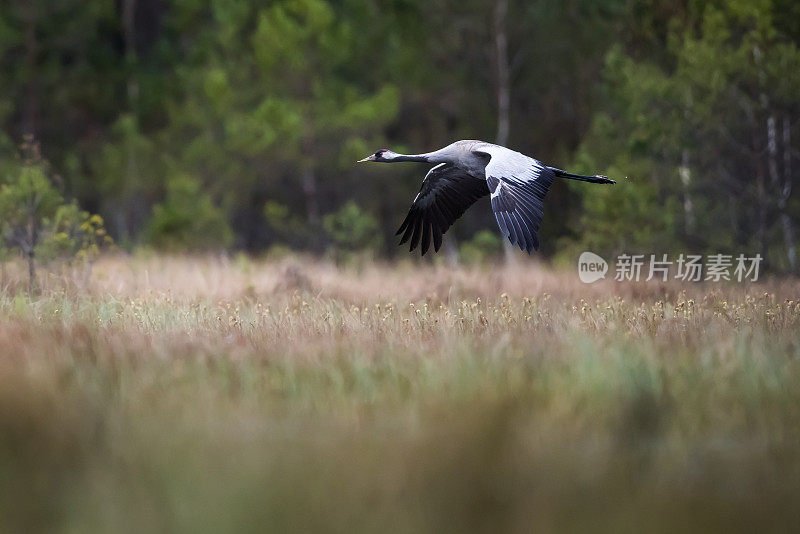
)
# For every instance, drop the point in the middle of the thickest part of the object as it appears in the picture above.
(204, 395)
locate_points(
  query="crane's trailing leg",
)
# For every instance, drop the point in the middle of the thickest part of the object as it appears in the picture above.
(596, 179)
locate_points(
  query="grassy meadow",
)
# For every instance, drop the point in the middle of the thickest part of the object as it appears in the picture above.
(175, 394)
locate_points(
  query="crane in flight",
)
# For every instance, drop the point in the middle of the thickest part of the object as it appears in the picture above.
(464, 172)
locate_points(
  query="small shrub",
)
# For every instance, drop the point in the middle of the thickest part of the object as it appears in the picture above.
(75, 234)
(284, 226)
(187, 219)
(38, 223)
(352, 230)
(483, 246)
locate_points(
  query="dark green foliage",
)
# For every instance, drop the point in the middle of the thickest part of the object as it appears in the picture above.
(484, 245)
(351, 230)
(187, 219)
(692, 136)
(268, 105)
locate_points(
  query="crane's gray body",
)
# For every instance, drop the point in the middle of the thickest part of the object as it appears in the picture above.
(467, 170)
(474, 156)
(466, 155)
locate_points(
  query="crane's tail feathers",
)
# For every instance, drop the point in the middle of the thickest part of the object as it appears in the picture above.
(597, 179)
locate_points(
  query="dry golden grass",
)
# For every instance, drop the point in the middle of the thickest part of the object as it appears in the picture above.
(215, 395)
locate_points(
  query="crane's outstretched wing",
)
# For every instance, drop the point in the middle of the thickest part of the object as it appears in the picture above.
(518, 185)
(445, 195)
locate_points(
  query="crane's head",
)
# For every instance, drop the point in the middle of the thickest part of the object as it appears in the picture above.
(383, 154)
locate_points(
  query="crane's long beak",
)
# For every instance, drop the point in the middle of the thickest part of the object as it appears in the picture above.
(371, 157)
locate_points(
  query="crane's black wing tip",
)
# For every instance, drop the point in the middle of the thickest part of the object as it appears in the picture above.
(445, 194)
(524, 246)
(422, 251)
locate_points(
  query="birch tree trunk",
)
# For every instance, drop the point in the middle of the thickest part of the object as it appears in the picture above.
(782, 188)
(500, 14)
(309, 184)
(30, 110)
(761, 230)
(761, 203)
(503, 86)
(31, 240)
(686, 180)
(132, 90)
(788, 184)
(129, 31)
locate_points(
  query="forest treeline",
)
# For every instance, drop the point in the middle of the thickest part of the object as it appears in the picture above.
(235, 124)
